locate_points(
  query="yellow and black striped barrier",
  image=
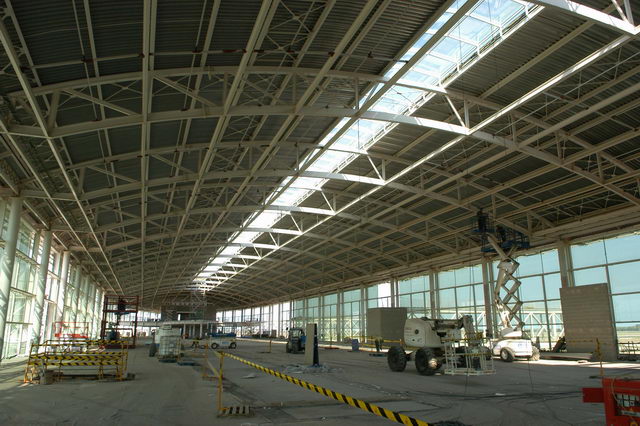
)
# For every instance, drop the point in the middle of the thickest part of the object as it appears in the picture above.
(76, 353)
(76, 363)
(357, 403)
(77, 357)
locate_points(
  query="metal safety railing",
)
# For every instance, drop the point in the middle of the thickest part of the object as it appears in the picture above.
(73, 356)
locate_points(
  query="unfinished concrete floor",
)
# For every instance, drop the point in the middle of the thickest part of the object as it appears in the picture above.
(542, 393)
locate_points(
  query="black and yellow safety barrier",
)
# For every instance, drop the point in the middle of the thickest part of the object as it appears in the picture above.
(77, 357)
(66, 363)
(61, 354)
(357, 403)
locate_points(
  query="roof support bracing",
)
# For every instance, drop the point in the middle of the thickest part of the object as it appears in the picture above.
(476, 130)
(262, 21)
(12, 55)
(591, 14)
(171, 162)
(431, 42)
(289, 125)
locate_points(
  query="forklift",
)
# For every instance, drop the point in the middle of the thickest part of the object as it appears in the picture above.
(296, 340)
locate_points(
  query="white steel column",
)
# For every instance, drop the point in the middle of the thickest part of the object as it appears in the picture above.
(435, 300)
(79, 280)
(41, 283)
(364, 302)
(98, 308)
(566, 267)
(320, 317)
(63, 284)
(85, 303)
(339, 319)
(488, 296)
(279, 324)
(394, 292)
(6, 265)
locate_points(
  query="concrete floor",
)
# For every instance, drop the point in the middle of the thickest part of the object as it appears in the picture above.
(542, 393)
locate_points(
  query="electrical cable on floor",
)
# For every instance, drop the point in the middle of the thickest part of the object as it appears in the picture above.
(544, 400)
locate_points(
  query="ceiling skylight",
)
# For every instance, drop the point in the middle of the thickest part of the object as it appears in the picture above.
(488, 22)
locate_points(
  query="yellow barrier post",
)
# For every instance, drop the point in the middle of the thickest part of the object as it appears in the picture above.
(599, 352)
(220, 407)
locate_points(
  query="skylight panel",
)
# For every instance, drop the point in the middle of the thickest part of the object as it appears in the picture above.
(478, 27)
(455, 49)
(474, 29)
(499, 12)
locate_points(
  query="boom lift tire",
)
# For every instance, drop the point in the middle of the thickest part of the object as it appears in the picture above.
(426, 362)
(507, 355)
(396, 358)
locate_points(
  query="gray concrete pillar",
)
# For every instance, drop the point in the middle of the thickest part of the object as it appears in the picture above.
(64, 272)
(7, 263)
(41, 282)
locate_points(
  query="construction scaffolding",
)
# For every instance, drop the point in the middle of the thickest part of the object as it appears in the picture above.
(120, 318)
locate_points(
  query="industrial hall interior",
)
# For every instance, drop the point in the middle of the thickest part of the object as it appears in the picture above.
(320, 212)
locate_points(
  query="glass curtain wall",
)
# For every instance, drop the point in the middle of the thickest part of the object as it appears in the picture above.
(459, 291)
(540, 294)
(18, 327)
(352, 315)
(313, 310)
(414, 294)
(298, 316)
(329, 324)
(285, 318)
(615, 262)
(21, 313)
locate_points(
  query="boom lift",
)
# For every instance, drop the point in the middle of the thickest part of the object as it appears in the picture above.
(432, 343)
(512, 342)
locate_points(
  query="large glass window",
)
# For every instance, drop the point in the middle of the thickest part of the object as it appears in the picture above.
(20, 317)
(616, 262)
(460, 293)
(329, 325)
(351, 318)
(379, 296)
(540, 295)
(413, 294)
